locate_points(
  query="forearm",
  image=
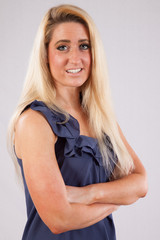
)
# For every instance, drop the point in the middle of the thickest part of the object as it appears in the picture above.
(123, 191)
(80, 216)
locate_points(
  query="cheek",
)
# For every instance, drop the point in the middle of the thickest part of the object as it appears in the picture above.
(55, 60)
(88, 60)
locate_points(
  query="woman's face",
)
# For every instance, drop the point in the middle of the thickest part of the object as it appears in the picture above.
(69, 55)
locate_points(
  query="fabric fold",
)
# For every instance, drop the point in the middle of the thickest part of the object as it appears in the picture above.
(76, 144)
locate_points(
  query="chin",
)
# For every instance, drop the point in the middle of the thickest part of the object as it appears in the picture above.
(77, 83)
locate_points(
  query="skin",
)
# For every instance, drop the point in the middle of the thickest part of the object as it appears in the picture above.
(70, 49)
(123, 191)
(64, 208)
(65, 53)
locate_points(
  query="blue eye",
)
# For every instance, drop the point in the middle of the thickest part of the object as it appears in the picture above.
(62, 48)
(84, 46)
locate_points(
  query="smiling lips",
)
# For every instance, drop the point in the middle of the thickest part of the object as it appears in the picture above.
(77, 70)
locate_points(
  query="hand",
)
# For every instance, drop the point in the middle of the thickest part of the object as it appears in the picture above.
(79, 194)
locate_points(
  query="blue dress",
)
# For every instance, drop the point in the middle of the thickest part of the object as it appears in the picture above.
(80, 163)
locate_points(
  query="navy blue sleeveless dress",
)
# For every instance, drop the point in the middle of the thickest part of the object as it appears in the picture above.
(80, 164)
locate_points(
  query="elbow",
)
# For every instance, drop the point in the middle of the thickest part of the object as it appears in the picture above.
(57, 223)
(140, 191)
(56, 230)
(144, 189)
(60, 223)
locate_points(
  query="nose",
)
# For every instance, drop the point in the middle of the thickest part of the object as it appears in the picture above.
(75, 56)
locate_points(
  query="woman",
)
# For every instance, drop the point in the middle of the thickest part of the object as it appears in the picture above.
(76, 164)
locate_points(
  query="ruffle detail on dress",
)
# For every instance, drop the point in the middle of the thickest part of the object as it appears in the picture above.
(83, 144)
(69, 129)
(76, 144)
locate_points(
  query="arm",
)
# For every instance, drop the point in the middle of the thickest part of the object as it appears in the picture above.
(123, 191)
(44, 180)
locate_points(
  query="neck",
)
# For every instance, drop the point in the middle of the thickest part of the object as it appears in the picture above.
(68, 99)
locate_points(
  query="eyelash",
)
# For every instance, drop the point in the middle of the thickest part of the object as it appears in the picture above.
(81, 47)
(84, 44)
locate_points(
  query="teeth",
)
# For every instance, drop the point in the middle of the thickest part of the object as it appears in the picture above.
(74, 70)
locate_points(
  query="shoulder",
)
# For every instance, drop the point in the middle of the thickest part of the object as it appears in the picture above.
(31, 120)
(30, 117)
(31, 126)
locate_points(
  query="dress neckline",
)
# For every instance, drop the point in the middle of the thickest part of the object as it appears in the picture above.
(81, 135)
(60, 117)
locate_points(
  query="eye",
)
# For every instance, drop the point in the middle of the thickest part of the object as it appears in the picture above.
(62, 47)
(84, 46)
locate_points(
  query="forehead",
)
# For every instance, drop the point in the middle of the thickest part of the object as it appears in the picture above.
(70, 30)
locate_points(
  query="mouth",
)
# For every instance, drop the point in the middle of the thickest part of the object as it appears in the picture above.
(76, 70)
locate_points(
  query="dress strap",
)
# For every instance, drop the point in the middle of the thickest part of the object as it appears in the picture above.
(68, 129)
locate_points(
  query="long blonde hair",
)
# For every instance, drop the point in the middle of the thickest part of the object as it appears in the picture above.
(96, 97)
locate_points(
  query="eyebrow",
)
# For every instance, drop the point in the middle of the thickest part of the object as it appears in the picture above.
(68, 41)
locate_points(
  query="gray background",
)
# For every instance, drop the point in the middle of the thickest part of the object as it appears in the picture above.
(131, 37)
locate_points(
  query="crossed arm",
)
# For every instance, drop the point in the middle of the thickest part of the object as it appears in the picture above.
(61, 207)
(123, 191)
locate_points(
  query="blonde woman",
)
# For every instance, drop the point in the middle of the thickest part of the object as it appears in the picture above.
(76, 164)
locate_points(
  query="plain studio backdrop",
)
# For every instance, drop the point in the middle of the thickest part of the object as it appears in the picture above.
(130, 31)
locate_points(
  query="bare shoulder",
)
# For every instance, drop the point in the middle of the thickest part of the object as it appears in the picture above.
(31, 126)
(30, 117)
(35, 146)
